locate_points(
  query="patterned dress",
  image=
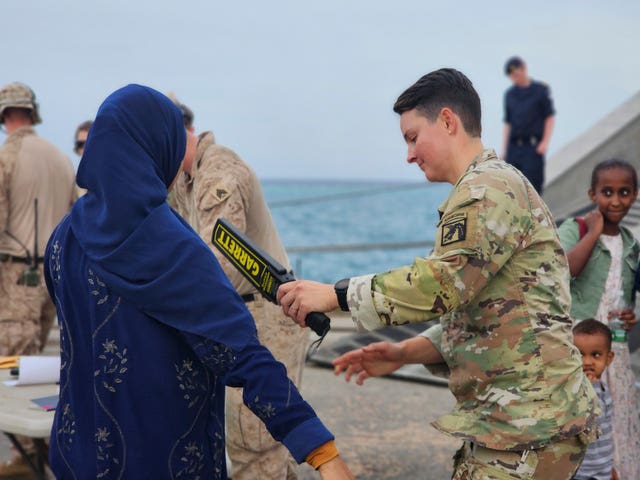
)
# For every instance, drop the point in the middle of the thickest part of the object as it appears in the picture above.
(143, 399)
(151, 328)
(619, 377)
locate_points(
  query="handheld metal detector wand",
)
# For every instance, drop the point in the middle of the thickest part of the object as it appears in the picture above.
(263, 271)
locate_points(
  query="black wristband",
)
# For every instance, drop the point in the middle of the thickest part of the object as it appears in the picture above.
(341, 288)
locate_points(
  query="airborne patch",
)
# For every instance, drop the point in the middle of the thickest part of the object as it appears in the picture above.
(454, 229)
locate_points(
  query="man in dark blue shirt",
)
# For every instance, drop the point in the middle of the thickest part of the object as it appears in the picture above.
(528, 122)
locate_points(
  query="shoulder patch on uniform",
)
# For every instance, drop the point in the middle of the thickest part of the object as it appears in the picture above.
(221, 193)
(454, 229)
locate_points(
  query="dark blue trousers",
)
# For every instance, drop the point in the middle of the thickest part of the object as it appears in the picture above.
(529, 162)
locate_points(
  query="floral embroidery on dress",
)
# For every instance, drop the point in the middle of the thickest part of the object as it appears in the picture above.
(190, 381)
(114, 365)
(218, 455)
(54, 264)
(216, 356)
(192, 461)
(216, 438)
(188, 457)
(264, 411)
(68, 428)
(104, 455)
(64, 354)
(98, 288)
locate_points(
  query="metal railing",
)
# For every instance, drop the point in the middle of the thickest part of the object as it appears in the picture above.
(359, 247)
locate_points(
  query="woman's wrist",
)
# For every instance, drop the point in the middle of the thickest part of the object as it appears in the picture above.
(335, 469)
(322, 455)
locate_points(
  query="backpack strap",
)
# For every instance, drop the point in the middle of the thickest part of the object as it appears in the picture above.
(582, 227)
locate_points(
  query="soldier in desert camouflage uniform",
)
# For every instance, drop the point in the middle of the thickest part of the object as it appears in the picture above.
(30, 168)
(499, 281)
(220, 185)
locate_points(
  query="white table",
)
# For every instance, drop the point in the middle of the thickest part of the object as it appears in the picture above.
(20, 416)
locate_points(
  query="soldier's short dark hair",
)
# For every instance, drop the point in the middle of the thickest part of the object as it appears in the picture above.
(187, 115)
(591, 326)
(446, 87)
(614, 163)
(512, 64)
(83, 127)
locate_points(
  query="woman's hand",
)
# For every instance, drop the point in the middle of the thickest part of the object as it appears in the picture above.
(335, 469)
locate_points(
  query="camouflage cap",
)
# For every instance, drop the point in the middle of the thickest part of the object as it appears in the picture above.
(18, 95)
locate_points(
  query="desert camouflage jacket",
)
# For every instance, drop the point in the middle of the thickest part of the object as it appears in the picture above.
(222, 185)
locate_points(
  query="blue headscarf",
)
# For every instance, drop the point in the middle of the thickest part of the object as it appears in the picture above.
(138, 245)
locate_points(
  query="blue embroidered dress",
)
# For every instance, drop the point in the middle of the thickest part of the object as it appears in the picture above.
(151, 329)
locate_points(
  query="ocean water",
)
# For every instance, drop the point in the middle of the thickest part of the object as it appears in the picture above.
(328, 214)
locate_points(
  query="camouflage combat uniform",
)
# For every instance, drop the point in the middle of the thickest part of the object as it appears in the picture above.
(499, 281)
(30, 168)
(221, 185)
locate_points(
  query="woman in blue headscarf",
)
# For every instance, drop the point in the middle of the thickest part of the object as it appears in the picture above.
(150, 328)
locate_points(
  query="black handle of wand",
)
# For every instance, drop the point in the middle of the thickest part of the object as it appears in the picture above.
(318, 322)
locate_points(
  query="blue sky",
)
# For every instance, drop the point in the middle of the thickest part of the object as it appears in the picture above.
(305, 89)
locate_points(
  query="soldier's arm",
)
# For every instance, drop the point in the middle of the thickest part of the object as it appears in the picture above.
(546, 135)
(473, 242)
(506, 129)
(220, 193)
(383, 358)
(488, 227)
(549, 113)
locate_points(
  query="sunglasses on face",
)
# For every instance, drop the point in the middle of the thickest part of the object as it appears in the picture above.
(80, 144)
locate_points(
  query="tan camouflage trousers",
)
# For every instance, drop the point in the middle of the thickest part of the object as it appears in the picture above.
(26, 313)
(254, 454)
(558, 461)
(26, 317)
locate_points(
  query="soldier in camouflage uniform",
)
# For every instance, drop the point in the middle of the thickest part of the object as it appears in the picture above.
(220, 185)
(30, 168)
(499, 281)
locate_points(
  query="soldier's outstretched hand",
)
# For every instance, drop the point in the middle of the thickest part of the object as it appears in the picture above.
(374, 360)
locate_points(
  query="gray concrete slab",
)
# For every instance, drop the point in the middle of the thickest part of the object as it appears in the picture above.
(383, 428)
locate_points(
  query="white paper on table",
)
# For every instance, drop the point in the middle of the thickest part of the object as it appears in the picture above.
(35, 369)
